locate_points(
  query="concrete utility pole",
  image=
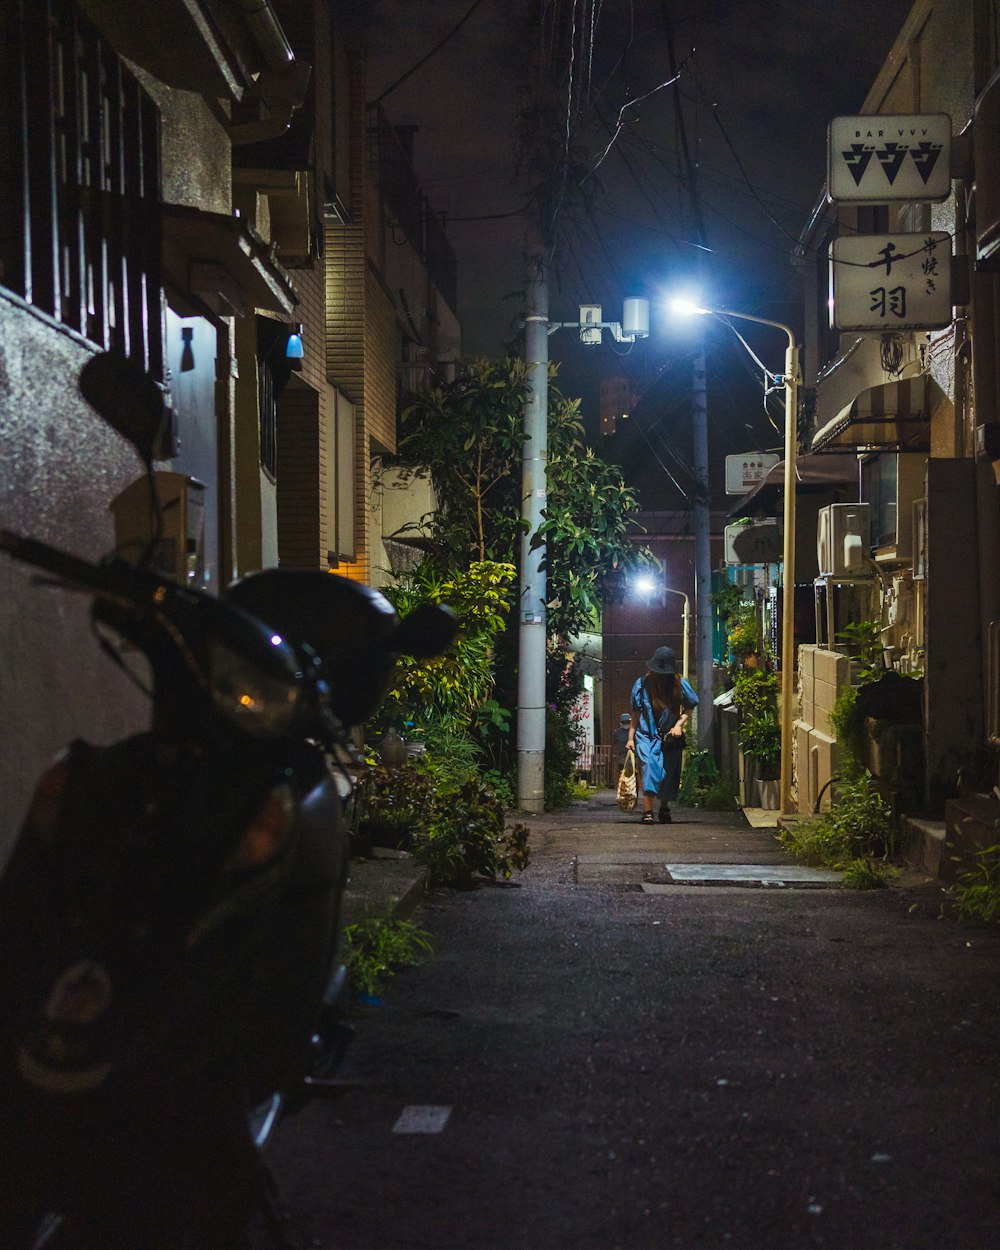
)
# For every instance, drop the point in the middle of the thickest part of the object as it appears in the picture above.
(702, 516)
(534, 487)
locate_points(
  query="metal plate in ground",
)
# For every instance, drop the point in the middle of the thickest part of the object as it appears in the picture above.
(795, 875)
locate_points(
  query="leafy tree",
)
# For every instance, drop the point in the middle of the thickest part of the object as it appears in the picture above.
(468, 436)
(454, 689)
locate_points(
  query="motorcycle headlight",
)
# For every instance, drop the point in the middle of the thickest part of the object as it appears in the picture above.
(257, 703)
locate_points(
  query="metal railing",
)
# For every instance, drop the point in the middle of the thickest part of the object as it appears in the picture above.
(80, 234)
(598, 765)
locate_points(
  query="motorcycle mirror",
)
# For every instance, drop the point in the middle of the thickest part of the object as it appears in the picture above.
(122, 392)
(428, 631)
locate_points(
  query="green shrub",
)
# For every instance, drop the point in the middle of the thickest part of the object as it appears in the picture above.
(849, 729)
(865, 873)
(978, 890)
(503, 787)
(860, 826)
(464, 838)
(392, 798)
(702, 786)
(375, 947)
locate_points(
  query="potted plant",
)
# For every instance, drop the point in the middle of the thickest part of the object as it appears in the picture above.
(755, 696)
(760, 736)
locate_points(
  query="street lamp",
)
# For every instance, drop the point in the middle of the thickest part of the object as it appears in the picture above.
(646, 586)
(686, 620)
(790, 378)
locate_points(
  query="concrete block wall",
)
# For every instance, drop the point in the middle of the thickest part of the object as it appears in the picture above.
(823, 674)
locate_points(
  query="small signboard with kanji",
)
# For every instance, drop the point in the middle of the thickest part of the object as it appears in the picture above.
(892, 282)
(877, 159)
(744, 473)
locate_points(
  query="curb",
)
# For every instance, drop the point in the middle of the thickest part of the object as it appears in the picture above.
(391, 882)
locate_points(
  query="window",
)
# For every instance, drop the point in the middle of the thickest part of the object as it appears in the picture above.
(80, 234)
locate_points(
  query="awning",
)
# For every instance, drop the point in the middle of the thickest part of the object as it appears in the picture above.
(223, 263)
(812, 473)
(892, 417)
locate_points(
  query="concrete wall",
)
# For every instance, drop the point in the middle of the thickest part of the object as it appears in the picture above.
(61, 468)
(823, 675)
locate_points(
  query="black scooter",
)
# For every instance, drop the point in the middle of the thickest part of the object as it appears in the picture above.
(169, 916)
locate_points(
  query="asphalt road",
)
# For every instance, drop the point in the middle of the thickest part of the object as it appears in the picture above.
(702, 1066)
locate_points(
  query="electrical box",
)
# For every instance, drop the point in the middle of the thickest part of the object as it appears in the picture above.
(590, 324)
(174, 546)
(843, 539)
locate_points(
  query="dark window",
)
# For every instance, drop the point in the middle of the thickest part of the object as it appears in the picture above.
(273, 372)
(79, 181)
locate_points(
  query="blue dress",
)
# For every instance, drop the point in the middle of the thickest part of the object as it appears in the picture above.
(661, 771)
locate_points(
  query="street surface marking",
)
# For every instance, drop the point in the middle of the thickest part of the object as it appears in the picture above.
(422, 1120)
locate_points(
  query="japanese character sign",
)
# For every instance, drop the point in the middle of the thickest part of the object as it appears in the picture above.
(895, 282)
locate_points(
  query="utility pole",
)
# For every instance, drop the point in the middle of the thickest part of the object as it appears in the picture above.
(701, 511)
(534, 487)
(702, 548)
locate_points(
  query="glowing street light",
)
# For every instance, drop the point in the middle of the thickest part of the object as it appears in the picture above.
(647, 586)
(790, 378)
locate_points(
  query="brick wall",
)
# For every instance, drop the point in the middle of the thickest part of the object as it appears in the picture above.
(300, 491)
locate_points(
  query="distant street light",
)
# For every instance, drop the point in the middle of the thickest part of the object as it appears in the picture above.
(790, 378)
(645, 585)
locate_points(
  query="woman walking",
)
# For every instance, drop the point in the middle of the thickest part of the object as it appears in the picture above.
(661, 704)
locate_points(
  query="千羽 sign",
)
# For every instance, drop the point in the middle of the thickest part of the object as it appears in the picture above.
(892, 282)
(871, 160)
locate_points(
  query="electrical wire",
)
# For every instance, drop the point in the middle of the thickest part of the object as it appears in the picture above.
(423, 60)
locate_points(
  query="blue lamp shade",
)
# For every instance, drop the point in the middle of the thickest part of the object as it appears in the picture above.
(293, 349)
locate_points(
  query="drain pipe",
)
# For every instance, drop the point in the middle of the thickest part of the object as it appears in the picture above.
(819, 797)
(267, 34)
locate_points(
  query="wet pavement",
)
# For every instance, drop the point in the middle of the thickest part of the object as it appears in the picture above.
(599, 1056)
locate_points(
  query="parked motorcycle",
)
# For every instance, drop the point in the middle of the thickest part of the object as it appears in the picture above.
(168, 918)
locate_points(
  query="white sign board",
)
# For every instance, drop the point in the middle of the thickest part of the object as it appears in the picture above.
(760, 542)
(871, 160)
(745, 473)
(892, 282)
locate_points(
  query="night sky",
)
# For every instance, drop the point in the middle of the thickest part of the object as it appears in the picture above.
(760, 81)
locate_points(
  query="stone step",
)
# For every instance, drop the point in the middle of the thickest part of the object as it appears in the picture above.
(926, 839)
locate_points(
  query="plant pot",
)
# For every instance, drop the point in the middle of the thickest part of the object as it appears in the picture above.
(748, 778)
(768, 789)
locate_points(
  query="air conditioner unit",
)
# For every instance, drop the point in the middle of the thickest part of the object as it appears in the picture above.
(843, 540)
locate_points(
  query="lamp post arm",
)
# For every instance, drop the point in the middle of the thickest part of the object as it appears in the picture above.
(791, 384)
(686, 623)
(720, 313)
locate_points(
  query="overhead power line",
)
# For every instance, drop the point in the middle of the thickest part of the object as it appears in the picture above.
(424, 59)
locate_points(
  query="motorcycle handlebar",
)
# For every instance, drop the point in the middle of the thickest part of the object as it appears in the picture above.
(99, 579)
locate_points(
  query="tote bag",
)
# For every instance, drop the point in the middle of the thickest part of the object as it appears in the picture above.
(627, 792)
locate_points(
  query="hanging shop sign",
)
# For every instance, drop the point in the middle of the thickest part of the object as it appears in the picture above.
(892, 282)
(872, 160)
(745, 473)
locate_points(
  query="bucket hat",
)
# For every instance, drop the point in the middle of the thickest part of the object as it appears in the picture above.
(663, 660)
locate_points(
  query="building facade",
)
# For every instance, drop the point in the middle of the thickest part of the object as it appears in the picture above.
(914, 407)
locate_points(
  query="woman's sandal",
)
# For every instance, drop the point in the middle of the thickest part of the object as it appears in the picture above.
(647, 818)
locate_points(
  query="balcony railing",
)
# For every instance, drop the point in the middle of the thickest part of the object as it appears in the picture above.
(80, 234)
